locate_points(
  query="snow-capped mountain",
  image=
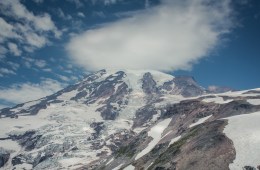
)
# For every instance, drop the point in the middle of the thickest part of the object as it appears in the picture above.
(133, 119)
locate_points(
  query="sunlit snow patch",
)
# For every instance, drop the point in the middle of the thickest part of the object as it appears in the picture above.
(156, 134)
(111, 160)
(67, 96)
(174, 140)
(254, 101)
(200, 121)
(160, 78)
(217, 99)
(244, 131)
(129, 167)
(118, 167)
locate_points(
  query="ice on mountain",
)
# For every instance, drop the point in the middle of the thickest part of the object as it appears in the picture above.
(129, 167)
(244, 131)
(156, 133)
(200, 121)
(217, 99)
(174, 140)
(254, 101)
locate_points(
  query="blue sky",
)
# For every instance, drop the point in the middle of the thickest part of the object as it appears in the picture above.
(46, 45)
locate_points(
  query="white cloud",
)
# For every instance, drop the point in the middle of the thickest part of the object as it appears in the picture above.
(78, 3)
(24, 26)
(99, 14)
(29, 49)
(3, 51)
(35, 40)
(172, 36)
(212, 88)
(4, 71)
(80, 14)
(44, 22)
(17, 10)
(6, 30)
(38, 1)
(63, 78)
(30, 62)
(62, 15)
(20, 93)
(13, 65)
(105, 2)
(40, 63)
(109, 2)
(47, 70)
(14, 49)
(147, 4)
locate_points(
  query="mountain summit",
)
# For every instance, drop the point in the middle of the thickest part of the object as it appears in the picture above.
(132, 119)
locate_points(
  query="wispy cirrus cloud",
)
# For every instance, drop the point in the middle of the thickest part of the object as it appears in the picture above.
(81, 14)
(171, 36)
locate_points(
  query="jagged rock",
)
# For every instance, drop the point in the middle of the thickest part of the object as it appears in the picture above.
(148, 84)
(4, 157)
(187, 86)
(17, 160)
(248, 168)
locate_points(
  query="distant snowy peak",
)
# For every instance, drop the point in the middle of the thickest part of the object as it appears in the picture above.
(112, 90)
(180, 85)
(131, 75)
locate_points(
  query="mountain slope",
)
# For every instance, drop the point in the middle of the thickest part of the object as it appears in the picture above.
(129, 119)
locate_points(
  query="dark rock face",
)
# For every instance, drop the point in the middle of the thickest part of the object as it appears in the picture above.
(114, 96)
(187, 86)
(4, 157)
(168, 86)
(109, 111)
(190, 109)
(106, 88)
(236, 108)
(148, 84)
(183, 85)
(41, 158)
(17, 160)
(98, 127)
(94, 76)
(201, 147)
(249, 168)
(252, 92)
(42, 105)
(80, 95)
(6, 112)
(28, 140)
(144, 114)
